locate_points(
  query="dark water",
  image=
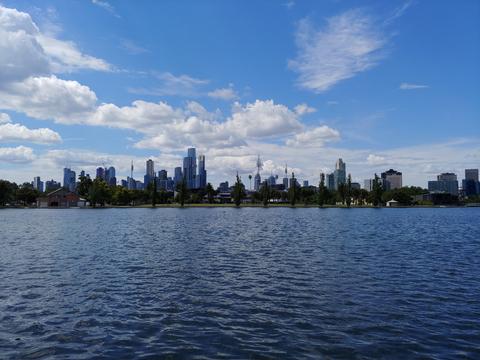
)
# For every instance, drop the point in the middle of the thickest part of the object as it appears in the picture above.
(240, 283)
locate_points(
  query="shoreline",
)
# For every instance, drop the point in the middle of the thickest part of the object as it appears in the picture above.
(187, 206)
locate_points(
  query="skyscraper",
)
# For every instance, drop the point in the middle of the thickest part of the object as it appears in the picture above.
(110, 177)
(100, 173)
(149, 172)
(37, 183)
(190, 168)
(258, 179)
(178, 177)
(330, 181)
(339, 174)
(446, 182)
(470, 185)
(392, 179)
(202, 173)
(69, 179)
(285, 178)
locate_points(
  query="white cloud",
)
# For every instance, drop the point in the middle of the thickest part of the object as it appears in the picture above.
(262, 119)
(130, 47)
(303, 109)
(107, 6)
(17, 132)
(4, 118)
(14, 155)
(49, 98)
(409, 86)
(316, 137)
(172, 85)
(375, 160)
(66, 57)
(223, 94)
(350, 43)
(25, 51)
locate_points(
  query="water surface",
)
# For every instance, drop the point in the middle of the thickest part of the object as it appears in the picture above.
(240, 283)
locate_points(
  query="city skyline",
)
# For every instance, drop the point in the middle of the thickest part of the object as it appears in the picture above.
(398, 97)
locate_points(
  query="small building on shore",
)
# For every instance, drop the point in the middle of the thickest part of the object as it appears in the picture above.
(393, 203)
(61, 198)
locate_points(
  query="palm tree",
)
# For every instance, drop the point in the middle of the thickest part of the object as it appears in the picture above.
(250, 178)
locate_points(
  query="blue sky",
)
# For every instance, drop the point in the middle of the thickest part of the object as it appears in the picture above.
(380, 84)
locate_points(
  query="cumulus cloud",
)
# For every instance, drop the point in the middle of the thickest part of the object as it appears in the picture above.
(4, 118)
(373, 159)
(223, 94)
(26, 52)
(17, 132)
(316, 137)
(409, 86)
(14, 155)
(303, 109)
(348, 44)
(49, 98)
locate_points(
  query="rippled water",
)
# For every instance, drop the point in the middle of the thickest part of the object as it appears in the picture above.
(240, 283)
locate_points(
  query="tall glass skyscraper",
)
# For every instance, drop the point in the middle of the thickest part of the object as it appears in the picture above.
(340, 174)
(202, 173)
(190, 168)
(149, 173)
(69, 179)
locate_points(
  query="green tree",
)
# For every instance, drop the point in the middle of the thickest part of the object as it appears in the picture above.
(265, 193)
(26, 194)
(377, 191)
(238, 192)
(293, 191)
(99, 193)
(83, 187)
(210, 193)
(7, 192)
(322, 195)
(348, 190)
(342, 192)
(182, 192)
(153, 190)
(121, 196)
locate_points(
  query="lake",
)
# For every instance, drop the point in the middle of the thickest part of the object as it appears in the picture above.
(247, 283)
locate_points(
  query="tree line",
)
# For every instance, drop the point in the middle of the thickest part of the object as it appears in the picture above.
(98, 193)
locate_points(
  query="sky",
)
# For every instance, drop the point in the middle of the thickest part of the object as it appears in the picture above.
(391, 84)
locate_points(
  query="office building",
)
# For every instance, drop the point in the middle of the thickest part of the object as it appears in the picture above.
(202, 173)
(470, 184)
(445, 183)
(340, 175)
(110, 177)
(190, 168)
(69, 179)
(100, 173)
(51, 185)
(271, 180)
(392, 179)
(149, 172)
(368, 184)
(330, 181)
(177, 178)
(356, 185)
(37, 184)
(285, 179)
